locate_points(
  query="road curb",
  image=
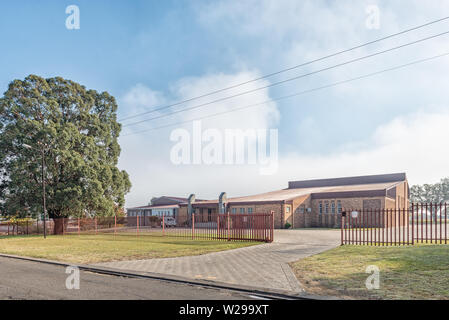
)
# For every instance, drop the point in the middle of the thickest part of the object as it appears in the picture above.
(271, 293)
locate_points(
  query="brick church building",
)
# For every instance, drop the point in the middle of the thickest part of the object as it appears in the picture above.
(309, 203)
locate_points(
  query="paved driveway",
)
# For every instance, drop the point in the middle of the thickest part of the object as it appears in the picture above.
(264, 265)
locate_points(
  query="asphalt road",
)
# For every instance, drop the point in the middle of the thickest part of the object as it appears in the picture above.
(38, 281)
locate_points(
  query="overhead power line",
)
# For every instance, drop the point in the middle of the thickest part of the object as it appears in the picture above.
(286, 69)
(295, 94)
(287, 80)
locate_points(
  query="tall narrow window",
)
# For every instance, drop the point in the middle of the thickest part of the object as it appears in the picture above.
(321, 207)
(333, 207)
(327, 207)
(339, 206)
(234, 210)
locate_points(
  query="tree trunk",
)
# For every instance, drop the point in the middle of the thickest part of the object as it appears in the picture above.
(58, 226)
(58, 221)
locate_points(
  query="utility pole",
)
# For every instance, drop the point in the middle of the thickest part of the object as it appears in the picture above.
(44, 207)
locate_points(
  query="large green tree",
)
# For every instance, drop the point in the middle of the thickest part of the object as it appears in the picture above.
(78, 130)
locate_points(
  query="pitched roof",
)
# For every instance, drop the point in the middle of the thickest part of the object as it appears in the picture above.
(168, 206)
(375, 185)
(176, 198)
(347, 181)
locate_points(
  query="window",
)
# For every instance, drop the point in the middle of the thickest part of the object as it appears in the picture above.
(321, 207)
(234, 210)
(250, 210)
(287, 209)
(209, 215)
(327, 207)
(339, 206)
(333, 206)
(242, 210)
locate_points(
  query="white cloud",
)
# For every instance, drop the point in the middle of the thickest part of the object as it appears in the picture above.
(265, 116)
(410, 132)
(144, 99)
(290, 32)
(146, 157)
(140, 99)
(415, 144)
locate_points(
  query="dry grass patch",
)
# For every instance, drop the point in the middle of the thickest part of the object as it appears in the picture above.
(102, 248)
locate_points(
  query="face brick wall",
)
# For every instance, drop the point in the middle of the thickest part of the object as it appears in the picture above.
(181, 219)
(402, 196)
(277, 208)
(333, 220)
(299, 217)
(329, 218)
(262, 208)
(302, 218)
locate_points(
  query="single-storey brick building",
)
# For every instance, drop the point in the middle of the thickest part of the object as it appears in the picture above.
(162, 206)
(310, 203)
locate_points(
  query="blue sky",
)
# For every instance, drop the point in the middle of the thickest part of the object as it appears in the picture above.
(149, 53)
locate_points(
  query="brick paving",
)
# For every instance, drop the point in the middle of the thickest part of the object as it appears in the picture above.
(264, 265)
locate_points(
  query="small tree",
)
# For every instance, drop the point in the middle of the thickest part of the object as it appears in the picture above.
(431, 193)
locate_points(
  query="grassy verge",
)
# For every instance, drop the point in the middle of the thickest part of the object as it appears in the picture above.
(419, 272)
(101, 248)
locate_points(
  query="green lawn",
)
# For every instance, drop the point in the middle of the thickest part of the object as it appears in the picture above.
(101, 248)
(418, 272)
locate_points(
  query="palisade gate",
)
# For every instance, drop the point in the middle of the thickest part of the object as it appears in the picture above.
(420, 223)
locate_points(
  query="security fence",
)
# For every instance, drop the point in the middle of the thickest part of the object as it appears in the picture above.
(421, 223)
(225, 227)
